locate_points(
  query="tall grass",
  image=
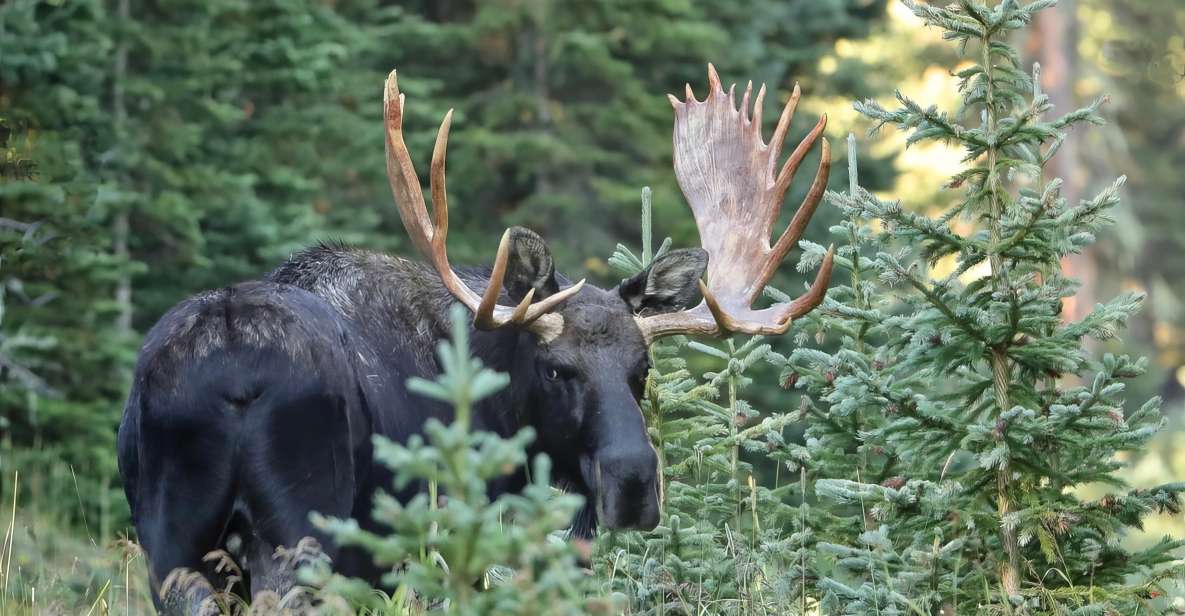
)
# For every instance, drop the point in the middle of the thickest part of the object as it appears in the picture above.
(50, 564)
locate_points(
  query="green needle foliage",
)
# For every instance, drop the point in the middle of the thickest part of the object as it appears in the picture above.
(451, 540)
(953, 425)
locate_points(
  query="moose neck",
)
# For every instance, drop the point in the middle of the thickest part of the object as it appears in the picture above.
(399, 312)
(397, 306)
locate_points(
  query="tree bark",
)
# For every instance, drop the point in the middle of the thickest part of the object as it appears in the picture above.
(542, 86)
(120, 226)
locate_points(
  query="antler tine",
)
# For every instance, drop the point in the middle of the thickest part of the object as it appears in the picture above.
(486, 316)
(757, 103)
(786, 175)
(791, 165)
(405, 184)
(439, 193)
(483, 317)
(802, 216)
(814, 296)
(520, 311)
(775, 142)
(784, 314)
(551, 301)
(430, 234)
(724, 323)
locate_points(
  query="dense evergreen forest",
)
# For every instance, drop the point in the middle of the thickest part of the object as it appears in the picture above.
(185, 146)
(155, 149)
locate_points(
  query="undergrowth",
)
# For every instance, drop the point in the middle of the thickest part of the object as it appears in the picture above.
(47, 568)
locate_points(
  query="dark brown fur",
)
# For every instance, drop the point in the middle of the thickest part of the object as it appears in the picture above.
(255, 405)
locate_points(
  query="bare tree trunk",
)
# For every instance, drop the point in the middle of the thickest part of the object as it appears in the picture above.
(1053, 43)
(120, 226)
(542, 86)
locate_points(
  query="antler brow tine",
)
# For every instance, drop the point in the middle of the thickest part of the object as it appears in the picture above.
(814, 296)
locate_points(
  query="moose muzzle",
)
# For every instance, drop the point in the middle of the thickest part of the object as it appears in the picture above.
(627, 487)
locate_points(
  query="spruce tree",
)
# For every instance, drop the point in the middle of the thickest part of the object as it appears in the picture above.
(171, 148)
(961, 410)
(58, 270)
(952, 410)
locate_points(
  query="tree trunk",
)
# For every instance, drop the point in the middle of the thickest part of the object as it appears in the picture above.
(1053, 43)
(120, 226)
(540, 69)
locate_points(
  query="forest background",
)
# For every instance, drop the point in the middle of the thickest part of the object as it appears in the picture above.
(155, 149)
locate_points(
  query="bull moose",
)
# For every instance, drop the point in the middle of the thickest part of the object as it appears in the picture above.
(256, 404)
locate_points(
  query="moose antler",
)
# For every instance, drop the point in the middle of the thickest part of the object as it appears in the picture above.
(726, 172)
(429, 236)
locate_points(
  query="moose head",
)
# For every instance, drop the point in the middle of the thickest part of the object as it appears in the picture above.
(581, 362)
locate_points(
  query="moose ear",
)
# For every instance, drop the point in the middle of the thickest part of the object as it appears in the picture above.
(529, 266)
(670, 283)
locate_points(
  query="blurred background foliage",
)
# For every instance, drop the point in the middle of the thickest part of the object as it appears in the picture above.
(155, 149)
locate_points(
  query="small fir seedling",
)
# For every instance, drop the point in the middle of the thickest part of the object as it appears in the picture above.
(453, 549)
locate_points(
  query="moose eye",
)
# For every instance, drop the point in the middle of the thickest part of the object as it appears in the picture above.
(556, 372)
(638, 381)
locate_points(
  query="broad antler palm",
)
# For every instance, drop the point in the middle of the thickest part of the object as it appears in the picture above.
(726, 172)
(429, 235)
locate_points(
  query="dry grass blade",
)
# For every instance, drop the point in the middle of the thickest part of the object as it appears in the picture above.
(10, 535)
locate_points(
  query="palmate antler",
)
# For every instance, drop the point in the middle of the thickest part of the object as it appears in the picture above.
(429, 236)
(726, 172)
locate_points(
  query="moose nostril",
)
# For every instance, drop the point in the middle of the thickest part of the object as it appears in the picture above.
(649, 518)
(639, 465)
(629, 504)
(628, 490)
